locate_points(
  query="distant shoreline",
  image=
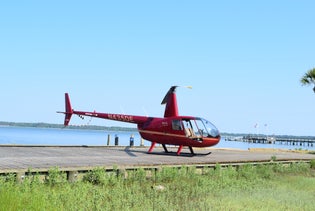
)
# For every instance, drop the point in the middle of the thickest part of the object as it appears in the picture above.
(50, 125)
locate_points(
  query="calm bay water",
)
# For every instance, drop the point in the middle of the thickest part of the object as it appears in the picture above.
(53, 136)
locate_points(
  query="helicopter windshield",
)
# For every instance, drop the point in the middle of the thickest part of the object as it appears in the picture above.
(206, 128)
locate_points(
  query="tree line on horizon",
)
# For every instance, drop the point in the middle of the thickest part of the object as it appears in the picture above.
(51, 125)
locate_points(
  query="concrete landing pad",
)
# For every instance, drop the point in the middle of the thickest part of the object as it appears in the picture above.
(21, 158)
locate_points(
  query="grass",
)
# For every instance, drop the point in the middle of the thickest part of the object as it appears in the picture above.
(264, 187)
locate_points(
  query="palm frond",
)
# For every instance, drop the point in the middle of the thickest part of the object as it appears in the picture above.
(304, 81)
(308, 78)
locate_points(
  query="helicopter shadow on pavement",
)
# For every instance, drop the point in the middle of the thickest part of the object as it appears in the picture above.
(129, 151)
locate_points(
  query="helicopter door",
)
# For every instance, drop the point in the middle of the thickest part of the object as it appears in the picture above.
(189, 129)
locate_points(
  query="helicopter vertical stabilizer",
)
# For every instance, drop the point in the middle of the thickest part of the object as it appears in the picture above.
(170, 100)
(68, 108)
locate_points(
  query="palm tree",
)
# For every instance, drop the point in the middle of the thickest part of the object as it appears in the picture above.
(309, 78)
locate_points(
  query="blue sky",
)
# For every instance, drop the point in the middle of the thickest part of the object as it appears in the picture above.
(244, 60)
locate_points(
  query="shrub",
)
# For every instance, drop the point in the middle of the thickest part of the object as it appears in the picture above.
(55, 177)
(265, 171)
(247, 171)
(97, 176)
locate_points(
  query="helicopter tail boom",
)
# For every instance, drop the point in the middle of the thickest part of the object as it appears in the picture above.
(116, 117)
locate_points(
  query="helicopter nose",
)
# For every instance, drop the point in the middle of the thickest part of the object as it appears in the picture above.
(212, 141)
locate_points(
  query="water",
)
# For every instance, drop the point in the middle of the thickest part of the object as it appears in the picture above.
(53, 136)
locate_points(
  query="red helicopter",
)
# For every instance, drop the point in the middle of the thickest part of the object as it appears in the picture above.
(171, 130)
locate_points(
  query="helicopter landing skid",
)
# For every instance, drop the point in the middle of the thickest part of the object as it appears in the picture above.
(178, 153)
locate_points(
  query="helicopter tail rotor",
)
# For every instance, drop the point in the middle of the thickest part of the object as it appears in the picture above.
(68, 110)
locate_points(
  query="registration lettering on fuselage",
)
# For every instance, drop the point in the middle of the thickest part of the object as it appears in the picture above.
(119, 117)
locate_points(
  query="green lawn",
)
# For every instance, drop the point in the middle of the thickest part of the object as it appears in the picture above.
(265, 187)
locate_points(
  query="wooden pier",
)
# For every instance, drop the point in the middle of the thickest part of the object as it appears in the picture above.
(273, 140)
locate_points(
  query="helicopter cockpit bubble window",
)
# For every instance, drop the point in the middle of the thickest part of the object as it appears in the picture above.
(177, 124)
(206, 128)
